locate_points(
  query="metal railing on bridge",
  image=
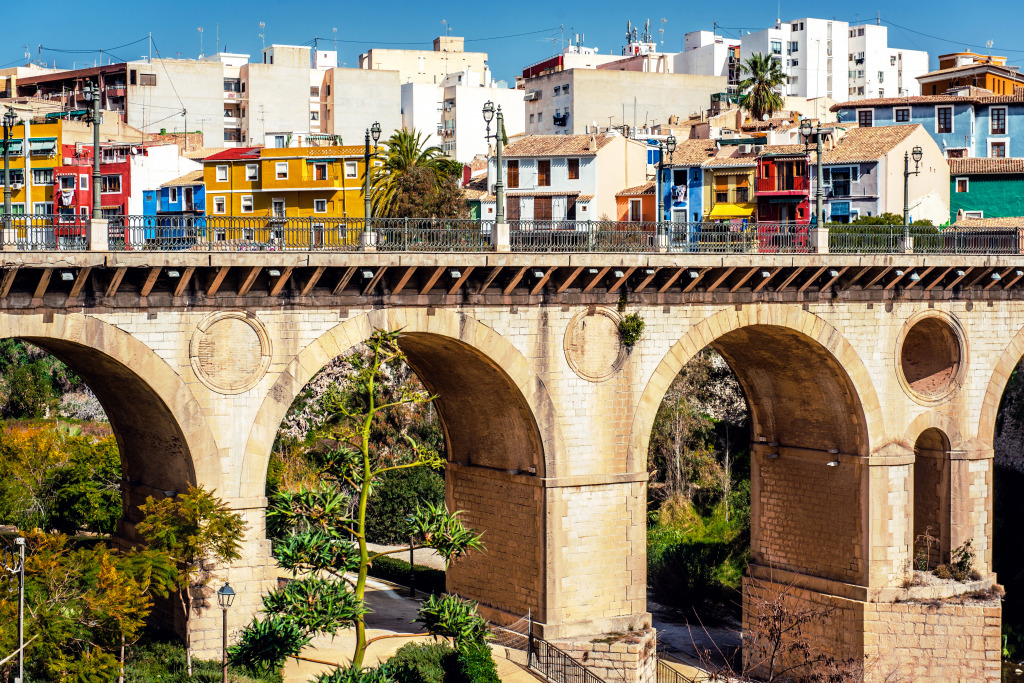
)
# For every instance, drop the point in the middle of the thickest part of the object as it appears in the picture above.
(68, 232)
(552, 663)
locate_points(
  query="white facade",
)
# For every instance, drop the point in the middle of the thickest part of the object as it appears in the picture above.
(825, 58)
(421, 110)
(462, 120)
(877, 70)
(704, 54)
(160, 164)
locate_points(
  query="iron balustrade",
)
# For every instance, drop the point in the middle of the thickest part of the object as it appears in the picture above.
(667, 674)
(557, 666)
(782, 183)
(69, 232)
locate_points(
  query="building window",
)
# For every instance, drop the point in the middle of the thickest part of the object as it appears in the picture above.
(512, 173)
(232, 85)
(998, 118)
(997, 150)
(962, 185)
(558, 89)
(252, 172)
(943, 119)
(742, 194)
(172, 194)
(222, 174)
(574, 169)
(83, 181)
(865, 117)
(66, 182)
(565, 89)
(314, 91)
(351, 169)
(147, 79)
(219, 205)
(42, 176)
(281, 170)
(544, 172)
(279, 141)
(42, 208)
(794, 47)
(531, 118)
(320, 171)
(110, 184)
(319, 206)
(314, 116)
(776, 47)
(277, 208)
(246, 203)
(232, 135)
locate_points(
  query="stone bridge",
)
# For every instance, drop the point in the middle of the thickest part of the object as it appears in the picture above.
(873, 383)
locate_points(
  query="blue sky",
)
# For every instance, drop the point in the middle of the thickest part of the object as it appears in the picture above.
(513, 33)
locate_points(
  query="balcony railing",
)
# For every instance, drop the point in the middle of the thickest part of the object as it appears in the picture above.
(783, 184)
(22, 232)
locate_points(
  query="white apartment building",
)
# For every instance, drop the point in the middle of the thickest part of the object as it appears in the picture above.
(707, 54)
(877, 70)
(463, 128)
(425, 66)
(826, 58)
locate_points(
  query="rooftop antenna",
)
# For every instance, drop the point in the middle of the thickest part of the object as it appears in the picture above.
(218, 38)
(988, 44)
(200, 29)
(335, 30)
(447, 27)
(263, 38)
(878, 18)
(662, 32)
(28, 54)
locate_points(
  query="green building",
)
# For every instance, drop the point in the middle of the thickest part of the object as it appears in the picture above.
(985, 188)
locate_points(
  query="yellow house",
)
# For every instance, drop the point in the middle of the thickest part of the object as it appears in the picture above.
(288, 182)
(729, 186)
(35, 152)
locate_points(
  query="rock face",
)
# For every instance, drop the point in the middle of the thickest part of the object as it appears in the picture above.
(1009, 441)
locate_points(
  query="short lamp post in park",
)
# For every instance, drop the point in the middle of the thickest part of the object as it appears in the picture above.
(225, 596)
(490, 112)
(666, 145)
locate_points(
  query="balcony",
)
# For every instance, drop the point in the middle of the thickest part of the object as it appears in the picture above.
(783, 184)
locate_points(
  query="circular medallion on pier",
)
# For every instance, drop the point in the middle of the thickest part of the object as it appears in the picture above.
(932, 357)
(592, 344)
(230, 352)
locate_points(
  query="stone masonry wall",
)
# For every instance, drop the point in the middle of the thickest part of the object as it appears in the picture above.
(808, 520)
(628, 657)
(509, 510)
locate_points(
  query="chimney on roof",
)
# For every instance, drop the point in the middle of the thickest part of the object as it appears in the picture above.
(592, 147)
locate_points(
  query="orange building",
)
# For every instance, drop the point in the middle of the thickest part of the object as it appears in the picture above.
(962, 69)
(636, 204)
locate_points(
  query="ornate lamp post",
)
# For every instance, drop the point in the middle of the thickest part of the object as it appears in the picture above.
(499, 131)
(667, 145)
(806, 130)
(225, 596)
(91, 93)
(13, 562)
(918, 154)
(9, 119)
(373, 131)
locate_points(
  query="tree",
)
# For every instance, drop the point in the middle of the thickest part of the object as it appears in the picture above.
(322, 530)
(193, 528)
(760, 90)
(83, 604)
(409, 167)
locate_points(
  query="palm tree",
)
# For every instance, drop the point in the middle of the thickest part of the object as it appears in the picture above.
(760, 90)
(404, 151)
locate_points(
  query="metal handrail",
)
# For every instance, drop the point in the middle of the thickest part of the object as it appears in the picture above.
(666, 674)
(557, 666)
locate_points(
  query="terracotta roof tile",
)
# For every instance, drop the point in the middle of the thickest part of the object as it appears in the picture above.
(974, 67)
(646, 188)
(190, 178)
(867, 144)
(724, 160)
(557, 145)
(692, 152)
(982, 97)
(1016, 222)
(769, 150)
(972, 166)
(476, 188)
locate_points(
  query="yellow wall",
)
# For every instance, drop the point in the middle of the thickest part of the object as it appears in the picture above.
(299, 190)
(40, 193)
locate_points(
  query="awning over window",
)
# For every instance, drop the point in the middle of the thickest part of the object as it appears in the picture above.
(43, 145)
(16, 146)
(725, 210)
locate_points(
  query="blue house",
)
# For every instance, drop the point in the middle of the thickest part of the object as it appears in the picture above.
(682, 182)
(970, 122)
(178, 208)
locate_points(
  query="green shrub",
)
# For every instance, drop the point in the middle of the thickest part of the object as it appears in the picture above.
(421, 663)
(631, 328)
(475, 665)
(396, 494)
(683, 573)
(392, 569)
(164, 662)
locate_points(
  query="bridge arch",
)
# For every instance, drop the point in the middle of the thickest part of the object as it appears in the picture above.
(781, 355)
(501, 432)
(996, 386)
(162, 434)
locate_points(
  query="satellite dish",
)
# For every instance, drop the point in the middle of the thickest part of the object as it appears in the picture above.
(765, 117)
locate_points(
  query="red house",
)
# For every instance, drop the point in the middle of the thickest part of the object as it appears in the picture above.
(72, 186)
(783, 198)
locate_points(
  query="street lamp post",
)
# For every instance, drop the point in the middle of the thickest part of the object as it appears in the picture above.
(806, 129)
(373, 131)
(92, 93)
(669, 145)
(225, 596)
(9, 119)
(499, 187)
(918, 154)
